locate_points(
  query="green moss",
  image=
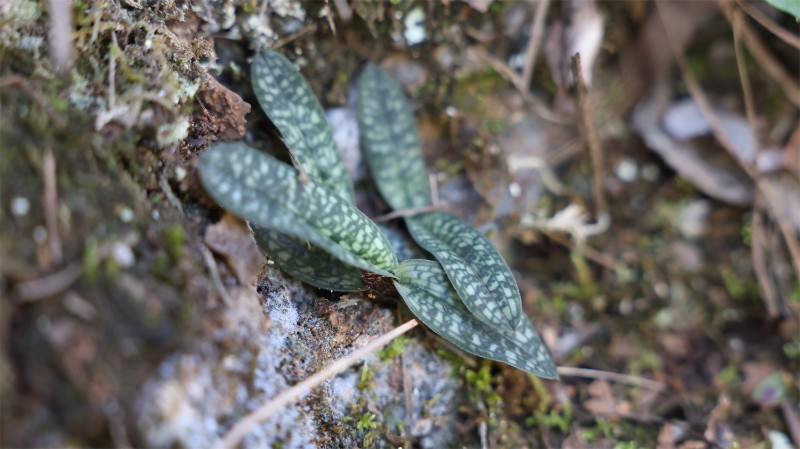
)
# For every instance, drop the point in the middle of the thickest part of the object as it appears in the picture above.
(602, 428)
(367, 377)
(628, 445)
(367, 422)
(393, 349)
(174, 238)
(740, 287)
(91, 261)
(560, 420)
(480, 384)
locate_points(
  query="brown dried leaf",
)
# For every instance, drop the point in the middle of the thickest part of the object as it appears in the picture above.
(219, 114)
(708, 167)
(602, 401)
(232, 239)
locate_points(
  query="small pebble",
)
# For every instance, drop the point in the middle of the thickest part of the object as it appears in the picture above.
(39, 234)
(20, 206)
(650, 172)
(415, 28)
(123, 255)
(180, 173)
(627, 170)
(126, 214)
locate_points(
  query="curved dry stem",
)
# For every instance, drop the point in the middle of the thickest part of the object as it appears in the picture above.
(626, 379)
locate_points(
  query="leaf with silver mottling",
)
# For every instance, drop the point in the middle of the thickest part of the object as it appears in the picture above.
(390, 141)
(311, 265)
(425, 287)
(480, 275)
(290, 104)
(259, 188)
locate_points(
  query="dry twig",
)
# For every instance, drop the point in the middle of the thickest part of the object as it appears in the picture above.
(590, 134)
(50, 206)
(50, 285)
(537, 30)
(208, 258)
(329, 15)
(406, 213)
(760, 262)
(766, 60)
(758, 235)
(792, 421)
(60, 42)
(704, 104)
(769, 24)
(625, 379)
(246, 424)
(588, 252)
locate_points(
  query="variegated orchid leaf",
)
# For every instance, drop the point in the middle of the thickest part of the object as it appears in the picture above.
(425, 287)
(259, 188)
(390, 141)
(308, 264)
(478, 272)
(290, 104)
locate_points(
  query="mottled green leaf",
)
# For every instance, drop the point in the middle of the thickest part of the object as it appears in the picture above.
(391, 142)
(425, 287)
(308, 264)
(477, 271)
(290, 104)
(268, 193)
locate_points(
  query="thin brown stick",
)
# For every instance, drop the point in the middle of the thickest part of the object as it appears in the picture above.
(535, 41)
(408, 395)
(60, 42)
(588, 252)
(704, 104)
(590, 134)
(294, 36)
(792, 421)
(170, 194)
(760, 264)
(758, 236)
(406, 213)
(504, 70)
(766, 61)
(246, 424)
(434, 184)
(216, 280)
(625, 379)
(744, 77)
(769, 24)
(112, 68)
(50, 285)
(50, 206)
(296, 162)
(329, 14)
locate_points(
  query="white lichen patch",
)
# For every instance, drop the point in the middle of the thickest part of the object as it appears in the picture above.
(433, 394)
(196, 397)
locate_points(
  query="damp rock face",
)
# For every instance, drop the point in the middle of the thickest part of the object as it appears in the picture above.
(275, 336)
